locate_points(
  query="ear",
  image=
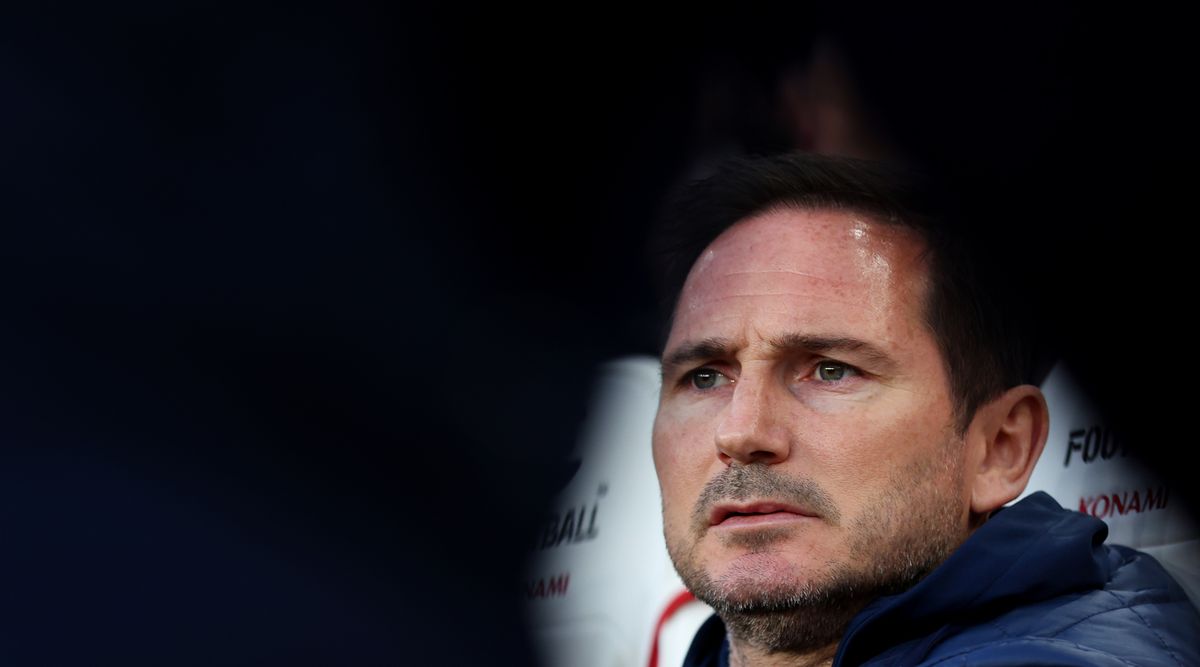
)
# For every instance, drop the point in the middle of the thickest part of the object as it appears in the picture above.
(1005, 438)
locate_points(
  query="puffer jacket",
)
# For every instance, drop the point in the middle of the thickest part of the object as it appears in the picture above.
(1035, 585)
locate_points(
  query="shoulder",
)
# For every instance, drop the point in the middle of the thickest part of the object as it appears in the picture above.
(1041, 651)
(1140, 617)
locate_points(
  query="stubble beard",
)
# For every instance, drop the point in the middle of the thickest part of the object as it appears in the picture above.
(903, 535)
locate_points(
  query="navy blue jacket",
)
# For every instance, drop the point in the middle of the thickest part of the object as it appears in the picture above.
(1035, 585)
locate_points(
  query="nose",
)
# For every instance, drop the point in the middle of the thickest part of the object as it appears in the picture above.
(752, 429)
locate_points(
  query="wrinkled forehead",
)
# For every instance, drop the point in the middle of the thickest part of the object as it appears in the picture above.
(787, 256)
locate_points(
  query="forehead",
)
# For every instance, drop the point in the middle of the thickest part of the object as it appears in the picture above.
(806, 270)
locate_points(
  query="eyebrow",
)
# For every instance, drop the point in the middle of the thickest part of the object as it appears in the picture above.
(716, 348)
(709, 348)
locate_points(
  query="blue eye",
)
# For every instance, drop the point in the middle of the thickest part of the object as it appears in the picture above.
(705, 378)
(833, 371)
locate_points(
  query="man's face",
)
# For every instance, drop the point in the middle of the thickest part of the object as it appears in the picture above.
(805, 440)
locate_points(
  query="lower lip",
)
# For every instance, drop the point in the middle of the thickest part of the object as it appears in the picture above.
(761, 519)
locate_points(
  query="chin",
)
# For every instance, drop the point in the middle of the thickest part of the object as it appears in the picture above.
(756, 581)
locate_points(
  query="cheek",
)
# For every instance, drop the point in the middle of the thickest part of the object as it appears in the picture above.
(666, 457)
(679, 441)
(680, 459)
(874, 453)
(855, 452)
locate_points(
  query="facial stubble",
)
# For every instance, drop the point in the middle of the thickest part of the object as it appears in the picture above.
(902, 535)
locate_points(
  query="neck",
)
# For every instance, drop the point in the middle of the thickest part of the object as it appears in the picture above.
(803, 635)
(744, 654)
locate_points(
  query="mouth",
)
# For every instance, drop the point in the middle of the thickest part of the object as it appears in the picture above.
(755, 514)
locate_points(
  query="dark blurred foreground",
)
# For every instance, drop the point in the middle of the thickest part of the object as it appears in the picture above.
(302, 305)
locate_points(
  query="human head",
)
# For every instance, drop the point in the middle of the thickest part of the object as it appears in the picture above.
(983, 336)
(790, 499)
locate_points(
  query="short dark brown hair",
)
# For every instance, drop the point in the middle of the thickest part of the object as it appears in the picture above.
(983, 340)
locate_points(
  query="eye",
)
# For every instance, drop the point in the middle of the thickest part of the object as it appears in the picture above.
(833, 371)
(705, 378)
